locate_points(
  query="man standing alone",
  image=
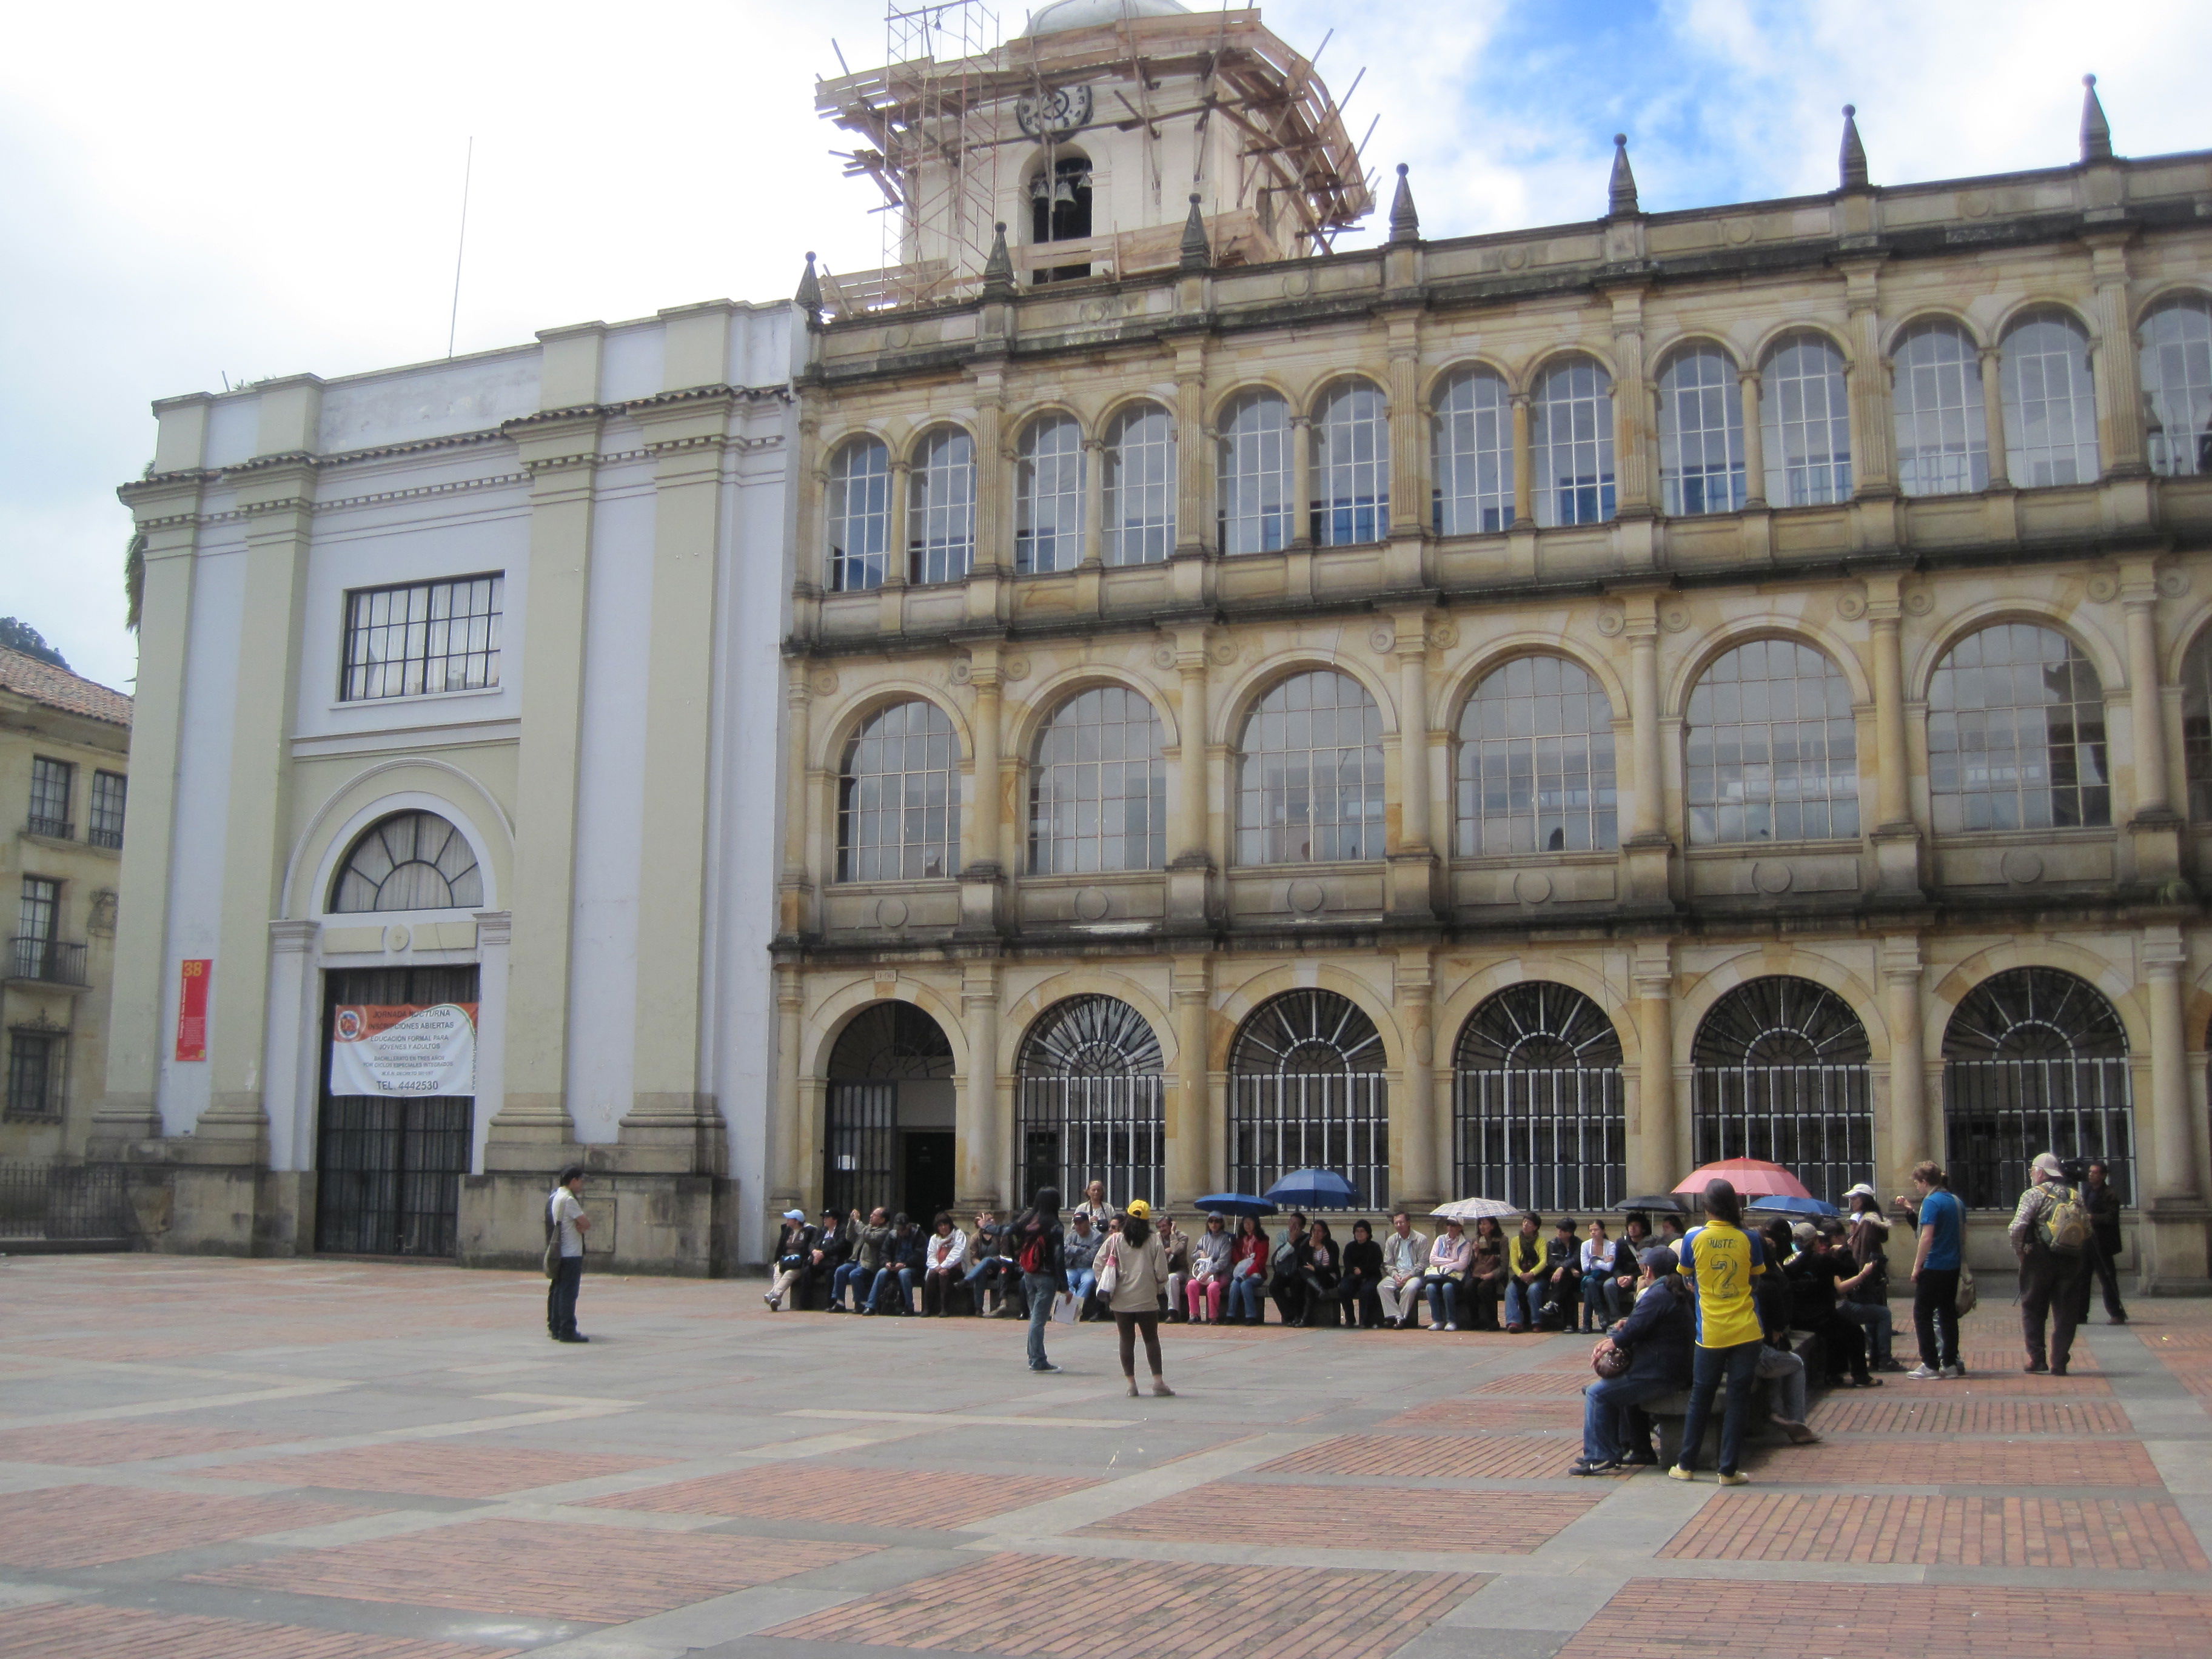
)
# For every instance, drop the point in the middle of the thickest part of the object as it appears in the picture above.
(565, 1217)
(2103, 1201)
(2050, 1235)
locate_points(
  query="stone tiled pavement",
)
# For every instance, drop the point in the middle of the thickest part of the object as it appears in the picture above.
(343, 1460)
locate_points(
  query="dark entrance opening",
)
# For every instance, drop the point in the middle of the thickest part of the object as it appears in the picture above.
(929, 1174)
(388, 1171)
(888, 1115)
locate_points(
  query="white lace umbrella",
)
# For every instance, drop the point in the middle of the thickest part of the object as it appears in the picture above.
(1472, 1210)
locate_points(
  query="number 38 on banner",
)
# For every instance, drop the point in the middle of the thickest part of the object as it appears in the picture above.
(193, 975)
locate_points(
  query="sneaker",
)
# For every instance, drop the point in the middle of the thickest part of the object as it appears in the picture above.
(1892, 1365)
(1798, 1433)
(2117, 1319)
(1733, 1478)
(1952, 1373)
(1678, 1473)
(1924, 1373)
(1451, 1327)
(1160, 1388)
(1047, 1366)
(1584, 1466)
(1641, 1460)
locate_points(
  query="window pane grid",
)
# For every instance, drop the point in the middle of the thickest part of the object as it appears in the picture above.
(1255, 508)
(2177, 378)
(1098, 797)
(2197, 725)
(1943, 426)
(1140, 487)
(1352, 467)
(50, 782)
(1570, 444)
(1805, 415)
(1536, 763)
(899, 810)
(424, 638)
(941, 516)
(1048, 497)
(1310, 774)
(859, 515)
(2017, 734)
(1473, 440)
(410, 862)
(1772, 748)
(1700, 435)
(2051, 406)
(38, 1074)
(105, 826)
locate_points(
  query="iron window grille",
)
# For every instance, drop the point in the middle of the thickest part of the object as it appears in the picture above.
(1942, 424)
(2016, 733)
(1805, 410)
(38, 1074)
(2034, 1060)
(884, 1045)
(1538, 1113)
(1310, 774)
(422, 638)
(941, 510)
(2177, 380)
(2050, 401)
(72, 1201)
(1306, 1091)
(859, 515)
(1099, 791)
(1571, 444)
(1537, 762)
(1049, 481)
(1255, 481)
(1780, 1072)
(1141, 486)
(2197, 725)
(1701, 463)
(1092, 1101)
(898, 810)
(1352, 466)
(1472, 441)
(51, 782)
(105, 826)
(409, 861)
(1772, 747)
(37, 916)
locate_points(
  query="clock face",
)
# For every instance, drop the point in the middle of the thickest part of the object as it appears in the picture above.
(1059, 113)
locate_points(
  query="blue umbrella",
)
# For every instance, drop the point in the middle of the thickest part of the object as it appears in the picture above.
(1314, 1189)
(1236, 1203)
(1788, 1203)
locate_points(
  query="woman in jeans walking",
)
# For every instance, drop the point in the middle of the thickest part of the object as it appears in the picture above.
(1140, 1272)
(1037, 1239)
(1720, 1260)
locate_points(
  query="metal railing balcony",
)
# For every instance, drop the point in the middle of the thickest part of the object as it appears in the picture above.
(49, 961)
(52, 829)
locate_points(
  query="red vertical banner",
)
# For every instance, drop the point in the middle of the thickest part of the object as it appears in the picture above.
(192, 1008)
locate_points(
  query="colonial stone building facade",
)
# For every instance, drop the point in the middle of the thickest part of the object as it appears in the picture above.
(1519, 714)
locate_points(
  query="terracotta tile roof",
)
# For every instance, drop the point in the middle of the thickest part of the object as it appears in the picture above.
(57, 687)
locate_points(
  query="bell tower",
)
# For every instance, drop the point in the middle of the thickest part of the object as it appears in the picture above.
(1086, 137)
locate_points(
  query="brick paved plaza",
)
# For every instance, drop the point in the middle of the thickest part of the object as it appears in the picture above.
(241, 1460)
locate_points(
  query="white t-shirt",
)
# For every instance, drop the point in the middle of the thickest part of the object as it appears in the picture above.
(567, 1206)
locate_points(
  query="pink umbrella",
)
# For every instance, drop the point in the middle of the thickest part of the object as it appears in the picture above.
(1750, 1176)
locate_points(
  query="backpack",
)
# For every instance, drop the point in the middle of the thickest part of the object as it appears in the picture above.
(2064, 1229)
(1032, 1259)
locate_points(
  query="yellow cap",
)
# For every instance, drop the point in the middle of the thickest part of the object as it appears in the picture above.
(1140, 1209)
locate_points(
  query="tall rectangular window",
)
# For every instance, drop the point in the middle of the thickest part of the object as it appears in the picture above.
(422, 638)
(38, 1073)
(104, 827)
(51, 781)
(35, 923)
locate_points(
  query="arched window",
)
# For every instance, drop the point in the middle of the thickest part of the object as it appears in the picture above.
(1805, 414)
(2197, 725)
(941, 507)
(1309, 773)
(1942, 425)
(898, 807)
(1048, 496)
(1256, 474)
(1141, 486)
(1571, 444)
(1352, 466)
(1535, 762)
(1092, 1106)
(2016, 733)
(1701, 434)
(1059, 199)
(1537, 1105)
(1098, 793)
(2034, 1060)
(860, 514)
(2176, 382)
(2050, 401)
(1779, 1071)
(1471, 438)
(409, 861)
(890, 1087)
(1773, 750)
(1307, 1091)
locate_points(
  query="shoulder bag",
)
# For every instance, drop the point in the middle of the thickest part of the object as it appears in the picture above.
(1963, 1302)
(1110, 1267)
(552, 1261)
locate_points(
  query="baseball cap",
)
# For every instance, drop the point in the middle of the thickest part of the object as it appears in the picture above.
(1658, 1260)
(1138, 1210)
(794, 1215)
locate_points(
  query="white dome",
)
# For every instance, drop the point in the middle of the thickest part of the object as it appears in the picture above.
(1062, 15)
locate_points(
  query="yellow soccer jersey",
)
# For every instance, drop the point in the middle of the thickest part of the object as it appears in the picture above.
(1720, 1261)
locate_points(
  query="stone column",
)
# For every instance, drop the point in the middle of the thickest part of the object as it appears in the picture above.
(1993, 417)
(1411, 852)
(289, 1069)
(1631, 408)
(1193, 454)
(1190, 870)
(1409, 455)
(2172, 1134)
(980, 869)
(1524, 465)
(2118, 369)
(1909, 1124)
(1649, 820)
(1896, 836)
(1653, 1152)
(898, 556)
(1302, 485)
(787, 1141)
(2146, 695)
(495, 937)
(1193, 1127)
(794, 889)
(1418, 1185)
(1873, 469)
(1754, 441)
(982, 1151)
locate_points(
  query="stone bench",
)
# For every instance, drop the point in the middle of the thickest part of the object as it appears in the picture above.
(1669, 1411)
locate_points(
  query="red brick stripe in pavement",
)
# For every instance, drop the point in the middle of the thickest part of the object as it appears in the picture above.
(89, 1444)
(1439, 1457)
(2113, 1534)
(2041, 1464)
(1493, 1416)
(1706, 1619)
(1561, 1383)
(1316, 1515)
(439, 1468)
(85, 1526)
(861, 1496)
(1029, 1605)
(1929, 1413)
(602, 1574)
(79, 1632)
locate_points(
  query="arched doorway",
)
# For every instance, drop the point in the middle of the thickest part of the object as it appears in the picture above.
(1781, 1071)
(887, 1120)
(1306, 1091)
(1092, 1101)
(2035, 1061)
(1537, 1108)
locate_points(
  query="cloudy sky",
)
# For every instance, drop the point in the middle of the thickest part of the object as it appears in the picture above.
(241, 189)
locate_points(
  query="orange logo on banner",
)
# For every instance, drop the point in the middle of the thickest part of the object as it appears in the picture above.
(192, 1008)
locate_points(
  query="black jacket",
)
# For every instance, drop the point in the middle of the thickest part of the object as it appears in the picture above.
(1030, 1226)
(1365, 1257)
(2104, 1206)
(1659, 1334)
(795, 1247)
(1290, 1257)
(833, 1244)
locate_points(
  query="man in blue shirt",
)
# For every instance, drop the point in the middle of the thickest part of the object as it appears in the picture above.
(1936, 1264)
